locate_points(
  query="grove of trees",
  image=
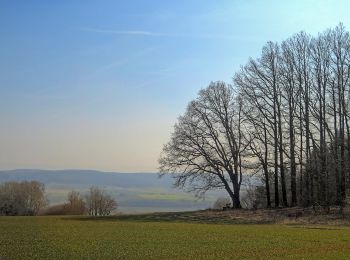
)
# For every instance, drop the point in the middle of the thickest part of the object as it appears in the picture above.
(76, 204)
(96, 202)
(99, 203)
(28, 198)
(22, 198)
(285, 119)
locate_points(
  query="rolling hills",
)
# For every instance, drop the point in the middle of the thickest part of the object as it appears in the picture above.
(135, 192)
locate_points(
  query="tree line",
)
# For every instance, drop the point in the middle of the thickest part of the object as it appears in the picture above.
(28, 198)
(96, 202)
(285, 119)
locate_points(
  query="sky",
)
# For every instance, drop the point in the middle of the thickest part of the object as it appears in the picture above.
(100, 84)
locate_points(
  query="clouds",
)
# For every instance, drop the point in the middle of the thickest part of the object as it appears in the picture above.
(145, 33)
(128, 32)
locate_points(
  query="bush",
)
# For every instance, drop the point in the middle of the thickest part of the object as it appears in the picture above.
(221, 202)
(59, 209)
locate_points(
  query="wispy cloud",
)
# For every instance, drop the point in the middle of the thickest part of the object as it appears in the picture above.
(160, 34)
(129, 32)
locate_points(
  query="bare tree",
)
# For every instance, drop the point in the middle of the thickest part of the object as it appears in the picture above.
(22, 198)
(259, 83)
(298, 94)
(206, 148)
(76, 204)
(288, 121)
(99, 203)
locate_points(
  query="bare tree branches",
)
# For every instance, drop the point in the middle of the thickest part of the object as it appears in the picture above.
(205, 150)
(288, 119)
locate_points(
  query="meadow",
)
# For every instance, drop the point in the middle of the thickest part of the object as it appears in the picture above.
(136, 238)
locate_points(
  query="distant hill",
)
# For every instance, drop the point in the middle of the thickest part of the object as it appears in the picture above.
(87, 177)
(135, 192)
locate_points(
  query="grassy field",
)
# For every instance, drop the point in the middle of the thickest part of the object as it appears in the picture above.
(134, 238)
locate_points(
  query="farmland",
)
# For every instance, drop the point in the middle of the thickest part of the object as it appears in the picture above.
(137, 238)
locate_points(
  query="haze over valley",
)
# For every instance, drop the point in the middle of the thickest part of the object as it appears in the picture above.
(135, 192)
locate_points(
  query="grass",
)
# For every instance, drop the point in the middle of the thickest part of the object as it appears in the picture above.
(131, 237)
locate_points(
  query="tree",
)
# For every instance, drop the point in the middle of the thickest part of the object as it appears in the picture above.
(288, 118)
(99, 203)
(76, 204)
(22, 198)
(206, 148)
(297, 94)
(259, 85)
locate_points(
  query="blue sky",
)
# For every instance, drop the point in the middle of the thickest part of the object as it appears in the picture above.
(99, 84)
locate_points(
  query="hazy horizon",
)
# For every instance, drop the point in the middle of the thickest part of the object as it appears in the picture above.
(86, 85)
(74, 169)
(135, 192)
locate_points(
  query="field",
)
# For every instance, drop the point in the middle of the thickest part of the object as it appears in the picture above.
(138, 237)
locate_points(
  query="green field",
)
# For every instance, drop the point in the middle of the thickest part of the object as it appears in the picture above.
(128, 238)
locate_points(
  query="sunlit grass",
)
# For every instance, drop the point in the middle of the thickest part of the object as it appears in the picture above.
(112, 238)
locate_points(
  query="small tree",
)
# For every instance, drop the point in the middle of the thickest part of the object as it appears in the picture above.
(98, 203)
(76, 204)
